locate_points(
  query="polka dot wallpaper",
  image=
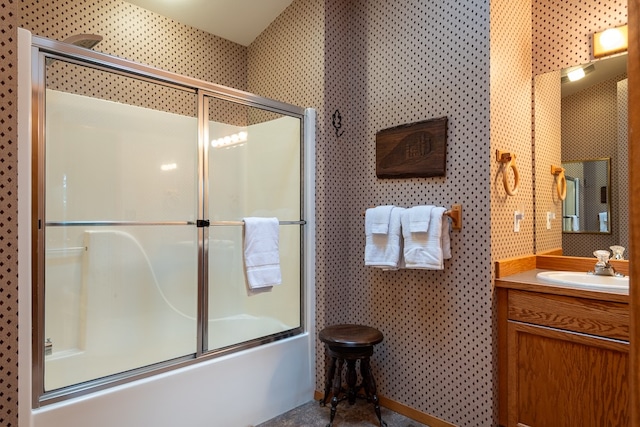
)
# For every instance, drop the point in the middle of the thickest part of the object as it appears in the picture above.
(379, 64)
(8, 216)
(137, 34)
(562, 30)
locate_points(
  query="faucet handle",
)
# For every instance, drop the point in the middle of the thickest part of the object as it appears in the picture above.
(603, 257)
(617, 251)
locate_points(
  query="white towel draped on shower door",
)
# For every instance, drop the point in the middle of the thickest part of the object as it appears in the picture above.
(261, 252)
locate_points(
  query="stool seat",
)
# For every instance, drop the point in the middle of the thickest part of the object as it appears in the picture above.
(350, 336)
(350, 343)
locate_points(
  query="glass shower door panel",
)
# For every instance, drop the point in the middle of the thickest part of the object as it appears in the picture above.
(120, 272)
(254, 164)
(117, 298)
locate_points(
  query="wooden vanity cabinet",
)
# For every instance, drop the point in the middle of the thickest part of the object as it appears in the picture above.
(563, 360)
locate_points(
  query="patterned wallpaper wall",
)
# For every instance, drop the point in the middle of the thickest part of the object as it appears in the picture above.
(9, 215)
(511, 126)
(562, 30)
(411, 61)
(561, 38)
(137, 34)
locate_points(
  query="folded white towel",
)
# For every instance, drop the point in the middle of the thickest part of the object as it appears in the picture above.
(425, 250)
(445, 238)
(383, 250)
(575, 223)
(379, 219)
(419, 218)
(602, 218)
(261, 252)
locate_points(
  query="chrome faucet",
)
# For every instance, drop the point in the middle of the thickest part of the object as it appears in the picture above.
(602, 267)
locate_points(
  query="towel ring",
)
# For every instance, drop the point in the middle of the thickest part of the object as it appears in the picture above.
(561, 181)
(509, 160)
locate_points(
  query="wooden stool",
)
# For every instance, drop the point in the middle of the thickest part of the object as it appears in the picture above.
(350, 343)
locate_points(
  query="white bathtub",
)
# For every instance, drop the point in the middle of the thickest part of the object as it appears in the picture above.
(238, 389)
(127, 322)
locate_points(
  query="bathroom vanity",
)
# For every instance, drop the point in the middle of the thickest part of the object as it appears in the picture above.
(563, 350)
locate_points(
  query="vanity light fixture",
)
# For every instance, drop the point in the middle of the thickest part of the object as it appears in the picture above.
(576, 74)
(610, 41)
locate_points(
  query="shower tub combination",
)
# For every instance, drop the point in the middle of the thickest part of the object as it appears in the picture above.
(139, 297)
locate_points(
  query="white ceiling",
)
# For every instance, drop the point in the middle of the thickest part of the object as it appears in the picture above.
(240, 21)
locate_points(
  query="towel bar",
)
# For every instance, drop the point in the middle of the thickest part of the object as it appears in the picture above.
(455, 213)
(223, 223)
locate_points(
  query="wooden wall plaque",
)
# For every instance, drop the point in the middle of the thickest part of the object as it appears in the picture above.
(413, 150)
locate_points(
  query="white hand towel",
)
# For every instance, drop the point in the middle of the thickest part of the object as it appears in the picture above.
(446, 238)
(379, 221)
(602, 218)
(424, 250)
(419, 217)
(383, 250)
(261, 252)
(575, 223)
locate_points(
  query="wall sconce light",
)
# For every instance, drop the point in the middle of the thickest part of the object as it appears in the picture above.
(608, 42)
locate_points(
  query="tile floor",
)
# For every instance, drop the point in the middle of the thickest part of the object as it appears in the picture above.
(361, 414)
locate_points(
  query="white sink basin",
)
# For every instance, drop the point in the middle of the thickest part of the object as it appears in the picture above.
(584, 280)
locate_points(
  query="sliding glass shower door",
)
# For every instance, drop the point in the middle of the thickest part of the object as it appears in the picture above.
(120, 203)
(254, 170)
(144, 181)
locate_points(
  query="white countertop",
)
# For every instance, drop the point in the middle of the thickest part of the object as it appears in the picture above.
(529, 281)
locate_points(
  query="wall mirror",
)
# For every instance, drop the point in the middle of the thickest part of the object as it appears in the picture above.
(577, 120)
(586, 207)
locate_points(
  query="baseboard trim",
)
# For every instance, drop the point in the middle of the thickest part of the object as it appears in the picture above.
(407, 411)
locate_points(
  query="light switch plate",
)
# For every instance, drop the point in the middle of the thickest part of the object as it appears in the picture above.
(550, 216)
(517, 217)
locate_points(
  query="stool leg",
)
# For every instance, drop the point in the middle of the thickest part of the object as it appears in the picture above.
(370, 387)
(337, 384)
(352, 377)
(331, 371)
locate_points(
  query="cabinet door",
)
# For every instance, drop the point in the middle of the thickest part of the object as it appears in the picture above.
(565, 379)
